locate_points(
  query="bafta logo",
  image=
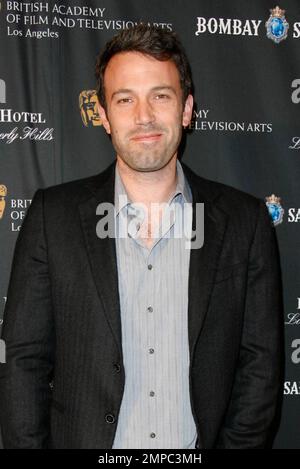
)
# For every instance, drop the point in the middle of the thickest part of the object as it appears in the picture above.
(3, 193)
(88, 108)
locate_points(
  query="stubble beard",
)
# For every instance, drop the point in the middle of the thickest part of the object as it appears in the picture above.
(147, 157)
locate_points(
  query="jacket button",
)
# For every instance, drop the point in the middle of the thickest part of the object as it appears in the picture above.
(110, 418)
(117, 367)
(51, 385)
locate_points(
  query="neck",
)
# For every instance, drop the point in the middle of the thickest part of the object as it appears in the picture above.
(149, 187)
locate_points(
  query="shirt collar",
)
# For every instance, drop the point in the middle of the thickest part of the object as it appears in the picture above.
(182, 187)
(121, 197)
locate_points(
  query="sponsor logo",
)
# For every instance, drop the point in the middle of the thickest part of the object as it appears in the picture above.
(293, 319)
(277, 26)
(3, 194)
(293, 215)
(18, 212)
(295, 144)
(28, 132)
(17, 208)
(203, 121)
(292, 388)
(88, 108)
(229, 26)
(40, 20)
(276, 211)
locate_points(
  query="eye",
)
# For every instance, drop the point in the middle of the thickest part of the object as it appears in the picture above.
(161, 96)
(124, 100)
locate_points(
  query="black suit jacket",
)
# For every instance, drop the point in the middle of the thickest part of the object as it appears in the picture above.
(62, 322)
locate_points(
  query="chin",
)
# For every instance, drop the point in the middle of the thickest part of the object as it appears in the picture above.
(149, 168)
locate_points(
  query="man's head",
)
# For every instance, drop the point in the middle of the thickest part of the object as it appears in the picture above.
(144, 90)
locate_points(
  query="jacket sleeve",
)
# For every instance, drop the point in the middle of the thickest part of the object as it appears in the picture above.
(258, 386)
(28, 332)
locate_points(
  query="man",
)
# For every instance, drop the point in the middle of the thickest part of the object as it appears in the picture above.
(145, 343)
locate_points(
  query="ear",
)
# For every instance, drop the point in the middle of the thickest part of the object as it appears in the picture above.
(103, 117)
(187, 111)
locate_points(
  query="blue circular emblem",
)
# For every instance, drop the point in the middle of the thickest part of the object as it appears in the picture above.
(277, 27)
(275, 212)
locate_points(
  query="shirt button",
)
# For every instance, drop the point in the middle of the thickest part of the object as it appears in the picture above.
(152, 393)
(117, 367)
(109, 418)
(149, 266)
(150, 309)
(152, 435)
(151, 350)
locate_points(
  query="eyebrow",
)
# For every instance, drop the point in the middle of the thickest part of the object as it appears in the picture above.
(155, 88)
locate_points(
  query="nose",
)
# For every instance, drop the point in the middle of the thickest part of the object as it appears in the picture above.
(144, 113)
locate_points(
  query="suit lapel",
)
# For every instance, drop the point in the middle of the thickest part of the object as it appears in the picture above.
(102, 252)
(203, 261)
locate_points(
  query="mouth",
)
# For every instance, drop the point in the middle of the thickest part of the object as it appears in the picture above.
(147, 138)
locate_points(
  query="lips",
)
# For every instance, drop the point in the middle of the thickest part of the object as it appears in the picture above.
(147, 137)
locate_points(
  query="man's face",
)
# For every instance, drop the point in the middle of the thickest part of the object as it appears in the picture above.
(145, 112)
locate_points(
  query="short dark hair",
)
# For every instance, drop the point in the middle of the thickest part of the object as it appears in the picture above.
(149, 40)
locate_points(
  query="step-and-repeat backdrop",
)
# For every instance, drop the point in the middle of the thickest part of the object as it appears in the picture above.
(245, 58)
